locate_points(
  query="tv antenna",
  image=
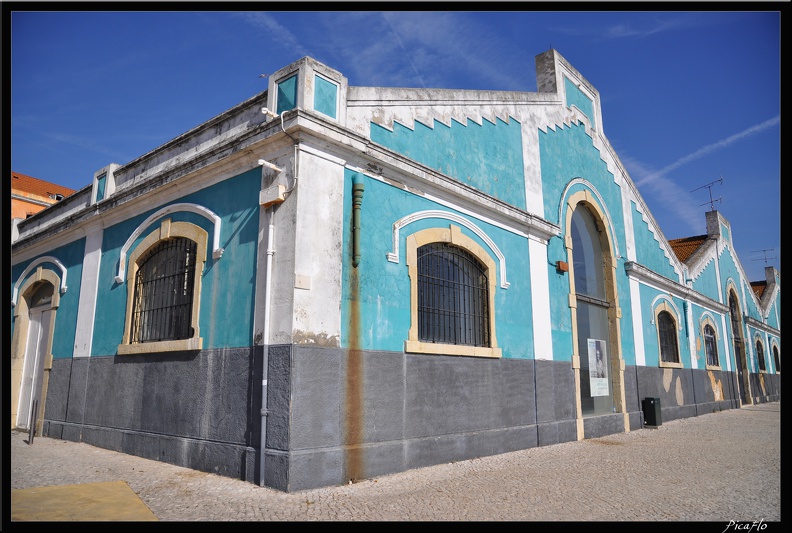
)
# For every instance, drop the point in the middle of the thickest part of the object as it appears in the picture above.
(764, 253)
(709, 187)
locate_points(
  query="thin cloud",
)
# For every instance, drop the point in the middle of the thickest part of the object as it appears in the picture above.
(698, 154)
(623, 31)
(86, 144)
(406, 52)
(671, 195)
(667, 194)
(427, 49)
(278, 32)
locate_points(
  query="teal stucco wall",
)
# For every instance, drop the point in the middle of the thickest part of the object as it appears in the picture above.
(487, 157)
(649, 302)
(378, 291)
(568, 154)
(228, 283)
(71, 257)
(575, 97)
(647, 249)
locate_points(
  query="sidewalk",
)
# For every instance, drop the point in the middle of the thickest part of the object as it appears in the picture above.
(717, 467)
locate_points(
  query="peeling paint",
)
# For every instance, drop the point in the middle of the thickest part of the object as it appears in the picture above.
(316, 339)
(717, 386)
(680, 398)
(668, 376)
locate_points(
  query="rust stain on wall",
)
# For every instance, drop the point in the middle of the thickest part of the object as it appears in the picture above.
(353, 400)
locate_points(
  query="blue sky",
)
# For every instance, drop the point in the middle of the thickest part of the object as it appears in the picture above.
(688, 97)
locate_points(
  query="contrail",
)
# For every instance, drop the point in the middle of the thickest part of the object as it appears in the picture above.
(420, 78)
(709, 149)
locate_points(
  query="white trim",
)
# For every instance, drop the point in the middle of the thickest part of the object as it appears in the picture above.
(602, 205)
(540, 301)
(670, 300)
(727, 343)
(534, 230)
(637, 322)
(86, 310)
(650, 278)
(217, 252)
(393, 256)
(29, 269)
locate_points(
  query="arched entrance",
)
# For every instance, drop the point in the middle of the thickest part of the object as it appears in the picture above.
(598, 365)
(743, 383)
(31, 347)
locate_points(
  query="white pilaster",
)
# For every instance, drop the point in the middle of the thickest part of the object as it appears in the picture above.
(540, 299)
(88, 288)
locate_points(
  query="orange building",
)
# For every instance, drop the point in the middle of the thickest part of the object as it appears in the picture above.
(30, 195)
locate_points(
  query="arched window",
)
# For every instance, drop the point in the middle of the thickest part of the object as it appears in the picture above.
(760, 356)
(163, 290)
(42, 294)
(776, 359)
(710, 345)
(591, 314)
(453, 296)
(666, 328)
(162, 307)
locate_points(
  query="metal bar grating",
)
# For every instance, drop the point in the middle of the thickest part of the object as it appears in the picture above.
(162, 308)
(453, 296)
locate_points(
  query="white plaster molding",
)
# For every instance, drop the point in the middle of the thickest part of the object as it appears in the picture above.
(29, 269)
(393, 256)
(670, 301)
(650, 278)
(603, 206)
(217, 252)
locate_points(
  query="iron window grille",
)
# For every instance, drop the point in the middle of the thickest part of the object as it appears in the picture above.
(760, 355)
(710, 345)
(669, 351)
(453, 296)
(162, 308)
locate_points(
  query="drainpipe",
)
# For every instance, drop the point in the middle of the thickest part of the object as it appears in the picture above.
(265, 355)
(357, 200)
(270, 200)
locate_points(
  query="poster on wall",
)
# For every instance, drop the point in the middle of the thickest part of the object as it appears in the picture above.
(598, 367)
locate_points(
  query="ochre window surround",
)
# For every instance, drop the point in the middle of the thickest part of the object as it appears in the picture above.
(666, 323)
(167, 230)
(709, 337)
(452, 235)
(760, 355)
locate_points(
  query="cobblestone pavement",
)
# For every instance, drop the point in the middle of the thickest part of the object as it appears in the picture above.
(717, 467)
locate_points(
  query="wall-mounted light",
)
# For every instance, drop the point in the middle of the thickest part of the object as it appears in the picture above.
(269, 113)
(265, 163)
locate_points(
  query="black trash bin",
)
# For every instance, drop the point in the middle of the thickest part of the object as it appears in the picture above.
(651, 410)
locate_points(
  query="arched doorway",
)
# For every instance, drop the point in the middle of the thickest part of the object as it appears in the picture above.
(739, 350)
(599, 372)
(31, 347)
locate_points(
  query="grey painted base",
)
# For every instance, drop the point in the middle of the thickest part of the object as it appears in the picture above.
(197, 409)
(337, 415)
(358, 415)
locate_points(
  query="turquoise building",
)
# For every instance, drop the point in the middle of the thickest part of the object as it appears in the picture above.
(328, 283)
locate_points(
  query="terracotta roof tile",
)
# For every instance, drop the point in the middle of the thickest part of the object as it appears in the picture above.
(759, 288)
(685, 247)
(36, 186)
